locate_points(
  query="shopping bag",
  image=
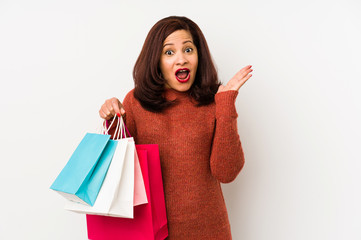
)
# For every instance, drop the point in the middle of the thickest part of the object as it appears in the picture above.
(140, 195)
(81, 178)
(122, 188)
(150, 221)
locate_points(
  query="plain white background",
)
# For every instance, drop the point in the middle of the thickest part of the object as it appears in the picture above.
(299, 115)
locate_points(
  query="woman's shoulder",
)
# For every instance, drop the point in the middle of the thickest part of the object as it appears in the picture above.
(128, 100)
(129, 97)
(130, 94)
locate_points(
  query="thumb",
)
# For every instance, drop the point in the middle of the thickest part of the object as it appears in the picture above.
(220, 88)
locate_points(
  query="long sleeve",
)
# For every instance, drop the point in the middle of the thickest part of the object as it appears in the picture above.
(227, 157)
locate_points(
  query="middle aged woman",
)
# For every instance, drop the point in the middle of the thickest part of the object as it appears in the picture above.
(179, 104)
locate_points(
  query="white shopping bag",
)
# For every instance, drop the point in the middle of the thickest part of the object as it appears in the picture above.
(123, 186)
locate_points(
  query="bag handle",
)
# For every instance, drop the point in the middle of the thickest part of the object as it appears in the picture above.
(104, 129)
(127, 131)
(121, 131)
(124, 129)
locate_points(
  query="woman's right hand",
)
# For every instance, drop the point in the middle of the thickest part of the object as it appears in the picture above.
(111, 107)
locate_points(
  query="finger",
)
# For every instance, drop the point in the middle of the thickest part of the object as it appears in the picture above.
(122, 110)
(246, 78)
(117, 106)
(104, 115)
(243, 80)
(107, 113)
(248, 71)
(241, 74)
(244, 73)
(246, 68)
(101, 114)
(109, 109)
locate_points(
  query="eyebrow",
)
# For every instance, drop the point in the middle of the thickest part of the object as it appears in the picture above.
(173, 43)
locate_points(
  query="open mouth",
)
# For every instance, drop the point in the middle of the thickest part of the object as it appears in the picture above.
(183, 75)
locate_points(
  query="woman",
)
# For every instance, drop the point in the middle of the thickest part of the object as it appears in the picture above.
(179, 104)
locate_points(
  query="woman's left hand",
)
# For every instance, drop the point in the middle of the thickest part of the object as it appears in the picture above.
(238, 80)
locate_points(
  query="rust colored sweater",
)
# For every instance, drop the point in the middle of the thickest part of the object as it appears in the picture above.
(199, 148)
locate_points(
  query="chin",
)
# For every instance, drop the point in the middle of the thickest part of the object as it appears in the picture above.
(180, 87)
(183, 88)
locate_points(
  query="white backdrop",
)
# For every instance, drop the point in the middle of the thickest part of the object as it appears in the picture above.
(299, 115)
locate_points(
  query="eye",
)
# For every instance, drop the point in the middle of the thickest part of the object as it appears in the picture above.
(169, 52)
(188, 50)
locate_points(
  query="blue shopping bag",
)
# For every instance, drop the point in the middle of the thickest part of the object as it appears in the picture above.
(83, 175)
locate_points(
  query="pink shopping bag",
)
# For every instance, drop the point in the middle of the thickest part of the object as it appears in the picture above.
(150, 220)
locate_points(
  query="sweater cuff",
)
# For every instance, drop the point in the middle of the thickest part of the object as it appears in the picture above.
(225, 104)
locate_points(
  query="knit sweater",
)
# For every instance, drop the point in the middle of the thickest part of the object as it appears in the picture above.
(199, 149)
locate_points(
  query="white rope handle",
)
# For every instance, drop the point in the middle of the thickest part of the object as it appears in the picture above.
(124, 133)
(120, 129)
(104, 129)
(116, 132)
(119, 132)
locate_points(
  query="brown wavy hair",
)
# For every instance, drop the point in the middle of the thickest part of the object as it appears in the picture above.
(148, 80)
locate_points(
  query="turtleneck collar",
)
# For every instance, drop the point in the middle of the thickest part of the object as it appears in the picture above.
(172, 94)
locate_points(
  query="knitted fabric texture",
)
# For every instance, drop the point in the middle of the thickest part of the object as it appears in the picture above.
(199, 149)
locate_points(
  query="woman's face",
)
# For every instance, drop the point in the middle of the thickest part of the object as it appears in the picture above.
(179, 60)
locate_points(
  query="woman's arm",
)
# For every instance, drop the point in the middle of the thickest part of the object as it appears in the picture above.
(227, 157)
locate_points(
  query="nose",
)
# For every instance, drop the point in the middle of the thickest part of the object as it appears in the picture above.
(181, 59)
